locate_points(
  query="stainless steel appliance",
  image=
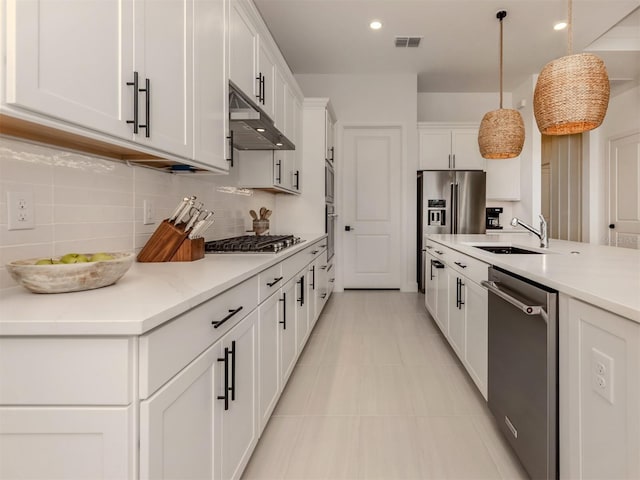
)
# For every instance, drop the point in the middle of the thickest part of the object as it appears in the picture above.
(330, 209)
(252, 244)
(329, 181)
(493, 218)
(523, 369)
(449, 201)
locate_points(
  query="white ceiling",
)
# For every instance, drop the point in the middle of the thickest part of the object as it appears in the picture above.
(459, 51)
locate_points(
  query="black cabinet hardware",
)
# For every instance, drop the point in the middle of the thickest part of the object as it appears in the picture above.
(283, 322)
(275, 280)
(324, 267)
(332, 150)
(260, 95)
(147, 107)
(612, 226)
(225, 397)
(332, 280)
(460, 264)
(231, 314)
(348, 228)
(330, 267)
(323, 296)
(323, 246)
(230, 138)
(431, 270)
(459, 286)
(232, 353)
(297, 184)
(429, 247)
(313, 277)
(439, 252)
(313, 252)
(279, 175)
(301, 283)
(134, 84)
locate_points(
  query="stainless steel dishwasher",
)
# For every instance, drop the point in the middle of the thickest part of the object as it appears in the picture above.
(523, 369)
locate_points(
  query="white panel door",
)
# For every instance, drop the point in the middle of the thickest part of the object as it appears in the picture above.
(71, 60)
(243, 45)
(372, 184)
(624, 192)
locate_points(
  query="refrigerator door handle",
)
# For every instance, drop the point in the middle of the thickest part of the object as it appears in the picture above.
(454, 208)
(456, 190)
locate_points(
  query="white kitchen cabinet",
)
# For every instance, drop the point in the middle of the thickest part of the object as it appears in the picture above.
(50, 69)
(599, 383)
(312, 294)
(240, 430)
(243, 50)
(180, 425)
(442, 298)
(430, 282)
(266, 95)
(302, 309)
(287, 325)
(329, 136)
(265, 170)
(457, 308)
(503, 179)
(268, 354)
(445, 147)
(476, 330)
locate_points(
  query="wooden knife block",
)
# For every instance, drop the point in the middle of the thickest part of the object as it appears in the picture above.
(169, 243)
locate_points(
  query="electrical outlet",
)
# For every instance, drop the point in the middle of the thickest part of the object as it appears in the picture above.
(602, 374)
(20, 211)
(148, 212)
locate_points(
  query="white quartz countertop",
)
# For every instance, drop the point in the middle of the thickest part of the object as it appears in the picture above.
(607, 277)
(148, 295)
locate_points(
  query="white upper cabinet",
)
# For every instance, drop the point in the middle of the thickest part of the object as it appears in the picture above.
(443, 147)
(266, 80)
(71, 61)
(163, 60)
(243, 46)
(503, 179)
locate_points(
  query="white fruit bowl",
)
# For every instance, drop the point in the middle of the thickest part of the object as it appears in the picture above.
(70, 277)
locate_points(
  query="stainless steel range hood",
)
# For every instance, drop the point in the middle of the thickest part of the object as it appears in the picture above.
(251, 126)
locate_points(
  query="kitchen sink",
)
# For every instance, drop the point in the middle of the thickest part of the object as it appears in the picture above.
(507, 250)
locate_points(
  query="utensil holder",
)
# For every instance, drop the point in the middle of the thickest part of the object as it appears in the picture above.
(260, 226)
(169, 243)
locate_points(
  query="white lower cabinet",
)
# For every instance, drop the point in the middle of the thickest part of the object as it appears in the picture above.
(302, 309)
(268, 369)
(476, 339)
(457, 309)
(311, 294)
(287, 324)
(442, 298)
(68, 443)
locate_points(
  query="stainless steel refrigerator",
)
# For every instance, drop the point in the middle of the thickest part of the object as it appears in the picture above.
(449, 201)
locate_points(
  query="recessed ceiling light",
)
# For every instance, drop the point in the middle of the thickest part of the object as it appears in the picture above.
(260, 130)
(560, 26)
(375, 25)
(278, 144)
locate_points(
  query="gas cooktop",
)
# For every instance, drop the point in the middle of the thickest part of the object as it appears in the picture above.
(251, 244)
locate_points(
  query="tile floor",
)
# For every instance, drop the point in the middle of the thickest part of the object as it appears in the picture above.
(378, 394)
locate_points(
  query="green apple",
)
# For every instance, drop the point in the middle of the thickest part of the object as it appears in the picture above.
(74, 258)
(45, 261)
(98, 257)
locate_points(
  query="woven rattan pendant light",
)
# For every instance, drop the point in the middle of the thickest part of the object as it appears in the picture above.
(572, 92)
(501, 134)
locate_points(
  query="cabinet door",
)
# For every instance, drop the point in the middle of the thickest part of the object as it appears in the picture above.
(302, 309)
(266, 72)
(69, 443)
(239, 422)
(71, 60)
(287, 326)
(322, 280)
(269, 334)
(503, 179)
(476, 344)
(457, 309)
(431, 285)
(311, 294)
(243, 41)
(329, 143)
(435, 149)
(442, 299)
(279, 101)
(465, 150)
(210, 86)
(164, 58)
(178, 423)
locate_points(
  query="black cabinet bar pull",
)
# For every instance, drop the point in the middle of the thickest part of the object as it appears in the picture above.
(279, 176)
(431, 270)
(225, 397)
(313, 277)
(330, 267)
(461, 302)
(284, 311)
(332, 153)
(231, 314)
(262, 89)
(232, 352)
(259, 95)
(313, 252)
(301, 283)
(439, 252)
(147, 107)
(134, 84)
(230, 138)
(297, 175)
(275, 280)
(460, 264)
(324, 267)
(332, 280)
(323, 296)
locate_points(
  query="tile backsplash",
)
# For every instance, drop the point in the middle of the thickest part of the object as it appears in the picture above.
(84, 203)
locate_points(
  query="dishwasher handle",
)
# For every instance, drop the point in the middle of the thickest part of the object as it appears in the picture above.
(528, 309)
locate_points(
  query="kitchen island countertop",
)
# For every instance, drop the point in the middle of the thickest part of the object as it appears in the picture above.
(607, 277)
(148, 295)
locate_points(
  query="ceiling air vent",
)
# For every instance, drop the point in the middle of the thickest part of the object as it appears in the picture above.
(404, 42)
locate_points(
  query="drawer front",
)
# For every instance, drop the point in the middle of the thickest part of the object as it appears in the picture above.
(473, 269)
(170, 347)
(66, 371)
(271, 280)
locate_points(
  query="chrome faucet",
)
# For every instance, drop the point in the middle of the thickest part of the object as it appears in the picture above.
(542, 233)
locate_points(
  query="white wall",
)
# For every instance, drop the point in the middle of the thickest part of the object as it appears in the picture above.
(377, 100)
(623, 118)
(459, 107)
(85, 203)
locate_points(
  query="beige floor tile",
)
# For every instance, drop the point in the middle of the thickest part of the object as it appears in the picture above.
(418, 349)
(389, 448)
(326, 448)
(453, 449)
(271, 457)
(295, 396)
(428, 390)
(343, 349)
(335, 391)
(384, 390)
(378, 348)
(467, 399)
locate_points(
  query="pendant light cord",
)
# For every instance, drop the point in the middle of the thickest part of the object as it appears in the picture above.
(569, 30)
(501, 61)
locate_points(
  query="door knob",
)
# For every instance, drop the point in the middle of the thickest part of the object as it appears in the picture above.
(348, 228)
(612, 226)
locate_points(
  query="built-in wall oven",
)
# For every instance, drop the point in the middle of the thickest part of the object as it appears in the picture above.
(523, 368)
(329, 180)
(330, 227)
